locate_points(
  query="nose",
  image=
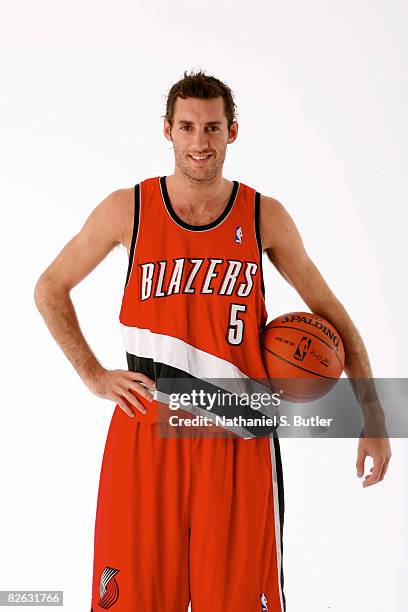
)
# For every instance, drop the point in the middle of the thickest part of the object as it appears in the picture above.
(200, 140)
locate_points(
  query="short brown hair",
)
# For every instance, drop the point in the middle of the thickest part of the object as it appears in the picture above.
(201, 85)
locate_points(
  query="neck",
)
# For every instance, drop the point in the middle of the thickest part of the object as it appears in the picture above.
(186, 190)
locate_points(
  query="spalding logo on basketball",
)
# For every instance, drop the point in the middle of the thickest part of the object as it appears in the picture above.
(303, 355)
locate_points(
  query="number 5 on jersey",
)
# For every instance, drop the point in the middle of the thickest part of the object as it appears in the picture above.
(236, 325)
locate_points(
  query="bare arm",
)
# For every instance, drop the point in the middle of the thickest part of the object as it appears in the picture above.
(285, 249)
(103, 230)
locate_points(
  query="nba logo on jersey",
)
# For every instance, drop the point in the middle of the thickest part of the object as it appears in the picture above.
(238, 234)
(264, 602)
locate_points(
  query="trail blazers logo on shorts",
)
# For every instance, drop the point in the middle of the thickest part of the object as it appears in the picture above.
(108, 588)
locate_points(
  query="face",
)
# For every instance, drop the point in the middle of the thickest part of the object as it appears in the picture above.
(200, 129)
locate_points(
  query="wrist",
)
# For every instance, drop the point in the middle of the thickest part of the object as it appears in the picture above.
(91, 373)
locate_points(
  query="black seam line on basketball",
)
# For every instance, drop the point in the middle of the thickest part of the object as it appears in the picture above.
(312, 334)
(296, 366)
(197, 228)
(134, 231)
(258, 237)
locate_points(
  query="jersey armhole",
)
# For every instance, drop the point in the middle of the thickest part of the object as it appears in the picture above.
(135, 232)
(257, 209)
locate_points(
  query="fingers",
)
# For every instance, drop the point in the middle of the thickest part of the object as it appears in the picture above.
(380, 451)
(121, 387)
(385, 468)
(138, 376)
(360, 463)
(134, 401)
(376, 470)
(124, 407)
(142, 390)
(127, 386)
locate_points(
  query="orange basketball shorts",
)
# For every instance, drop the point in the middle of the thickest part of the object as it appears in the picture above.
(192, 519)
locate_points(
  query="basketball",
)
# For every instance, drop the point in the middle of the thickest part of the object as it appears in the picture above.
(303, 355)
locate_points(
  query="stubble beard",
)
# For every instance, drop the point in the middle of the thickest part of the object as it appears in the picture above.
(198, 175)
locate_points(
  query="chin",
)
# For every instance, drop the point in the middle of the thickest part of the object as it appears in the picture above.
(206, 175)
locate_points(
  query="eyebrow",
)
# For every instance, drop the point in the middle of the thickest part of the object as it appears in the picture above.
(208, 122)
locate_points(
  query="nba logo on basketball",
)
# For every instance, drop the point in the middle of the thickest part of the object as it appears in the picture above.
(238, 234)
(302, 348)
(264, 602)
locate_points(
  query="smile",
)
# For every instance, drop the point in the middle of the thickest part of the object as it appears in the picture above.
(200, 158)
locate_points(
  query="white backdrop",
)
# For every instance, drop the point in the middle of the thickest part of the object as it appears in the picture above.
(321, 90)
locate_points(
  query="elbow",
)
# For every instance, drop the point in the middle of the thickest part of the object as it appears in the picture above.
(40, 291)
(45, 290)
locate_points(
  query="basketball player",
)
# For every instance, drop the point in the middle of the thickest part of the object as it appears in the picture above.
(190, 519)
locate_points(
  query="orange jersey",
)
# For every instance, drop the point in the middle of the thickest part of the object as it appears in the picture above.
(194, 296)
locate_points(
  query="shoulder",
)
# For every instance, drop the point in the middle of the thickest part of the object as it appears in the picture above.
(117, 211)
(270, 205)
(275, 221)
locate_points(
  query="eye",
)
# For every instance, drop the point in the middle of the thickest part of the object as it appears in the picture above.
(185, 126)
(214, 128)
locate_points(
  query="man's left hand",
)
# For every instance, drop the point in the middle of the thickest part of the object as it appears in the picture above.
(380, 451)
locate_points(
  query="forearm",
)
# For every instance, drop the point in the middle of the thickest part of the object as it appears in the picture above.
(57, 310)
(357, 364)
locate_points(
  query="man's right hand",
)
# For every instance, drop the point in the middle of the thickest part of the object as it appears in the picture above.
(117, 385)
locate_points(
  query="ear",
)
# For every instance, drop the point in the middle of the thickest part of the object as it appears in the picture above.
(167, 130)
(233, 133)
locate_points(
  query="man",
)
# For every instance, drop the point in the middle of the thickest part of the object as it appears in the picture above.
(198, 519)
